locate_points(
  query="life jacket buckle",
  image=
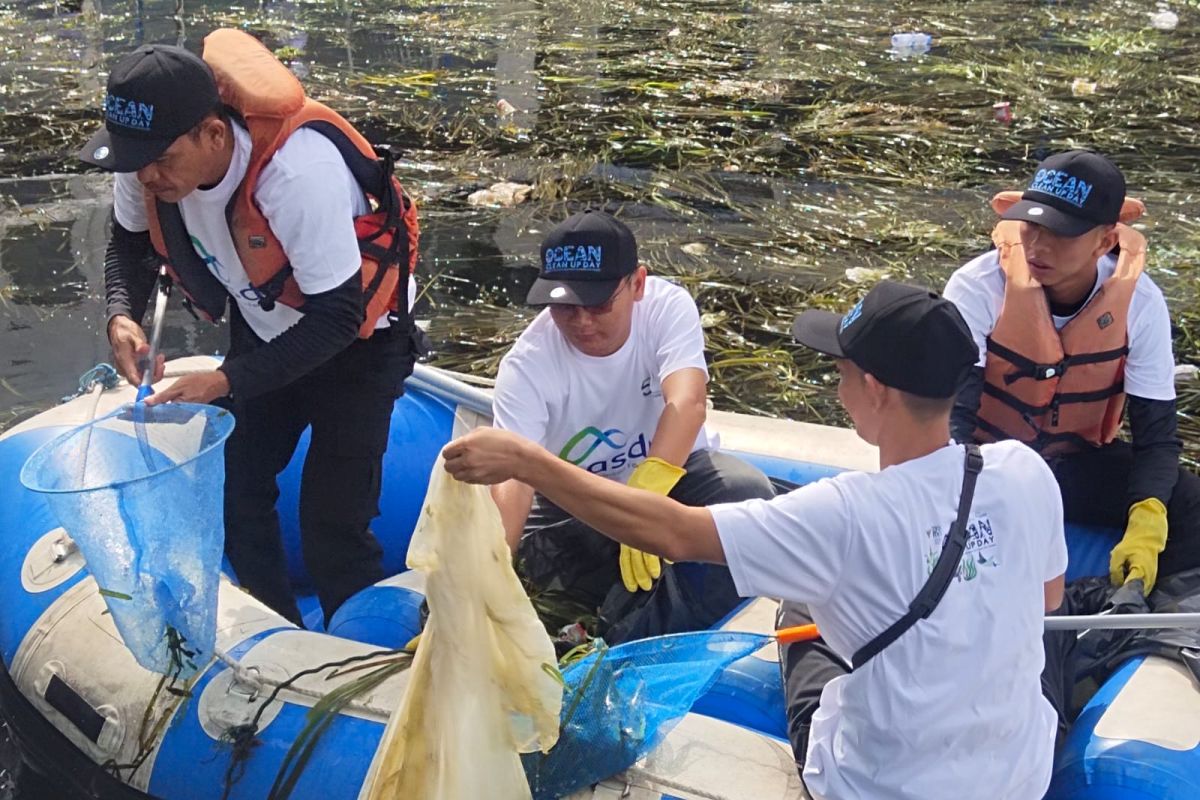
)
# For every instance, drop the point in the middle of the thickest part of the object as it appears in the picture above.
(387, 158)
(1045, 372)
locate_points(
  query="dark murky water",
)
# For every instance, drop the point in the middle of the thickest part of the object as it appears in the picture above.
(759, 150)
(769, 154)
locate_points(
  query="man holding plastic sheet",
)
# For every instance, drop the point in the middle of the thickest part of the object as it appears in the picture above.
(1071, 332)
(289, 212)
(931, 576)
(611, 377)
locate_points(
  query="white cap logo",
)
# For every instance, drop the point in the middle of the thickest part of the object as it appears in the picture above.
(1036, 212)
(100, 153)
(557, 292)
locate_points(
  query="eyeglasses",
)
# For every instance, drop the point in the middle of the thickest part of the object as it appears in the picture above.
(566, 309)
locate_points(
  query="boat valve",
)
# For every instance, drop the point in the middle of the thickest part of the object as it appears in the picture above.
(63, 547)
(246, 681)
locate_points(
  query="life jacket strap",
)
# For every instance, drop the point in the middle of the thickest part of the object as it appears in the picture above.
(1063, 399)
(1028, 368)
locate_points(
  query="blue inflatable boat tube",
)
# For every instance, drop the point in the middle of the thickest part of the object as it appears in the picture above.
(1138, 738)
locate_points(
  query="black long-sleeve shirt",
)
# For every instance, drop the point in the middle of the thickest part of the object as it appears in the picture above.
(329, 325)
(1153, 433)
(130, 267)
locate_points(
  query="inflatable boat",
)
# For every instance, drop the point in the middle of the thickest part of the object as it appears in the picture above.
(83, 710)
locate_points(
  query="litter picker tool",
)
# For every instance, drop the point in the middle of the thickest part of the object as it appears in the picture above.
(160, 306)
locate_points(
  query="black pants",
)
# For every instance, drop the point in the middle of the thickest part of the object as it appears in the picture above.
(806, 667)
(1093, 485)
(561, 556)
(1094, 491)
(348, 404)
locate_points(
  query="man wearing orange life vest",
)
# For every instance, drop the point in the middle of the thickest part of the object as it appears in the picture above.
(1072, 332)
(259, 194)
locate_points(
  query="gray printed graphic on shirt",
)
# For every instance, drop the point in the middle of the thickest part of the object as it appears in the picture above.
(980, 552)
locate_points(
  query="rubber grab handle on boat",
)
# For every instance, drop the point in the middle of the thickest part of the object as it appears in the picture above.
(68, 702)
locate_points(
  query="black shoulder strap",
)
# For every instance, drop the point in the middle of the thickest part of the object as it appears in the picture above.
(202, 288)
(943, 572)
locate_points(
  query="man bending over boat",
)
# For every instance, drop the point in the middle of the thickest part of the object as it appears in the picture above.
(259, 194)
(1072, 333)
(931, 576)
(611, 377)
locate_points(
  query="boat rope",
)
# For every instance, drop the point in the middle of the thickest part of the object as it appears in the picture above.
(244, 737)
(95, 381)
(658, 782)
(253, 679)
(103, 374)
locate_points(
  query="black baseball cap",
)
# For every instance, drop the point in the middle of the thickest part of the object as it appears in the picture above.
(155, 94)
(909, 338)
(584, 260)
(1071, 193)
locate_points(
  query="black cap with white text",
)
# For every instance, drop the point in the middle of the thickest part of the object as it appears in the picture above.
(1071, 193)
(909, 338)
(584, 260)
(155, 94)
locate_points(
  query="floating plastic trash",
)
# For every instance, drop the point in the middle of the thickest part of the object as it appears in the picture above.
(1164, 20)
(141, 492)
(504, 194)
(911, 44)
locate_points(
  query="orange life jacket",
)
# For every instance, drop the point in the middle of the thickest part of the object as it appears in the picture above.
(1058, 390)
(270, 101)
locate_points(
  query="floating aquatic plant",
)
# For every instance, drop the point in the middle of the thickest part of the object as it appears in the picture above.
(768, 155)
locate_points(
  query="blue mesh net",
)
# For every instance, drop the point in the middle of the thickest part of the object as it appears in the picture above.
(140, 492)
(620, 702)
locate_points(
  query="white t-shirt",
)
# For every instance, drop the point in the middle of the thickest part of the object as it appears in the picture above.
(952, 709)
(601, 412)
(310, 198)
(977, 288)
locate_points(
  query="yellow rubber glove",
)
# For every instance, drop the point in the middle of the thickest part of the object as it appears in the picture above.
(1136, 555)
(639, 569)
(413, 644)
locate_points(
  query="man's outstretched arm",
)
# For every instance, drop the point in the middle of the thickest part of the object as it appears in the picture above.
(635, 517)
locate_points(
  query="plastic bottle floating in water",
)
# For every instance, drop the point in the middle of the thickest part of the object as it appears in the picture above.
(911, 44)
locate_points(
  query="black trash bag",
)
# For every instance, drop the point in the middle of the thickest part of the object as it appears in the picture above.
(1099, 652)
(1078, 658)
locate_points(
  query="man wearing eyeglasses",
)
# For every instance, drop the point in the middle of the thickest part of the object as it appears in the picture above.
(611, 377)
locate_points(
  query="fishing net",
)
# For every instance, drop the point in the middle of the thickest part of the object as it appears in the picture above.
(483, 685)
(620, 702)
(140, 492)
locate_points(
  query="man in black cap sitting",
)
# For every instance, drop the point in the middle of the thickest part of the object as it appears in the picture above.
(930, 577)
(263, 212)
(1071, 333)
(611, 377)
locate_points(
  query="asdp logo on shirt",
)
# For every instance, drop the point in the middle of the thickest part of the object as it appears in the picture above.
(212, 262)
(618, 451)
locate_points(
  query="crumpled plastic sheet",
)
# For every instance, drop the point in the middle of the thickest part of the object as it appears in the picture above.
(483, 685)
